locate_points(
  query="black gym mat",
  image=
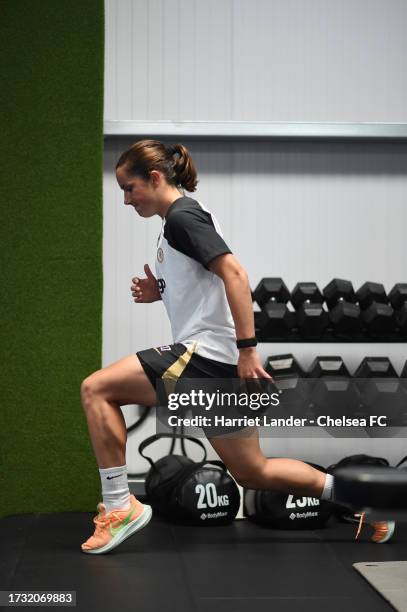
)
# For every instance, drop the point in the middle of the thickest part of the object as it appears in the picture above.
(237, 568)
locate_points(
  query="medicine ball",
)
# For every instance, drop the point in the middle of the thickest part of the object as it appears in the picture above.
(183, 490)
(344, 513)
(280, 510)
(207, 496)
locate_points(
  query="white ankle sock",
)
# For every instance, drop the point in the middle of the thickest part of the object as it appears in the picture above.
(115, 488)
(328, 492)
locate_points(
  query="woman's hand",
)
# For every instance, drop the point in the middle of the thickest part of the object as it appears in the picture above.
(249, 364)
(251, 373)
(145, 290)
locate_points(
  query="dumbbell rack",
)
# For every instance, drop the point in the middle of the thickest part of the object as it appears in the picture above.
(330, 337)
(370, 296)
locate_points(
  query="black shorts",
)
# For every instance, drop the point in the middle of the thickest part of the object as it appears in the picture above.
(168, 364)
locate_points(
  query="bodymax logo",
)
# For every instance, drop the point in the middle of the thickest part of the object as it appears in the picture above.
(303, 515)
(161, 284)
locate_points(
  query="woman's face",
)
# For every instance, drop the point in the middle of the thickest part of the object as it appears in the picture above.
(137, 193)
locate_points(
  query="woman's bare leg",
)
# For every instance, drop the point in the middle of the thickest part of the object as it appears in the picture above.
(251, 469)
(102, 393)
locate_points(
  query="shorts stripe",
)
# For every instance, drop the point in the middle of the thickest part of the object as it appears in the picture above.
(173, 373)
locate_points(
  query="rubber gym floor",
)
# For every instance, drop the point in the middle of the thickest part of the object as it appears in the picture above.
(168, 567)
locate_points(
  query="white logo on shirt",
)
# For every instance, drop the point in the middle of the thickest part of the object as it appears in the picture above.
(160, 255)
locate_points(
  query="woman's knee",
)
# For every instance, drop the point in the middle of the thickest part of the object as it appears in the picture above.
(90, 389)
(123, 382)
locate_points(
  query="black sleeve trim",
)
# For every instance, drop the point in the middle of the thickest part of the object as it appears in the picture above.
(192, 232)
(206, 265)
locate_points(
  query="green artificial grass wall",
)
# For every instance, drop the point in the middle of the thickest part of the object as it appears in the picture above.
(51, 249)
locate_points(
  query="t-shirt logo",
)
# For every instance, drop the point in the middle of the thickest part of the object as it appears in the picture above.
(161, 284)
(160, 255)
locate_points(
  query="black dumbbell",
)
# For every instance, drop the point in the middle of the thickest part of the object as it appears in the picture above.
(328, 366)
(312, 319)
(333, 392)
(375, 367)
(344, 313)
(377, 314)
(290, 380)
(398, 299)
(275, 318)
(273, 289)
(382, 392)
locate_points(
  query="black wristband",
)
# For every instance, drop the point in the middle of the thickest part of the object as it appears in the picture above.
(246, 342)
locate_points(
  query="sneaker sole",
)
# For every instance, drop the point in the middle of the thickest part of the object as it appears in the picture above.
(125, 533)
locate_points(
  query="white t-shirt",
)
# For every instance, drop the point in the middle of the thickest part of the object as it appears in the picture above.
(195, 297)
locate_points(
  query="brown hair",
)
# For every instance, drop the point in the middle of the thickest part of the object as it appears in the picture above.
(147, 155)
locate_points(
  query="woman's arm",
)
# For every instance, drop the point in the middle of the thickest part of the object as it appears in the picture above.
(239, 297)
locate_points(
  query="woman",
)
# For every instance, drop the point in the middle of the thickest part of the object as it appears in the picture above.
(207, 297)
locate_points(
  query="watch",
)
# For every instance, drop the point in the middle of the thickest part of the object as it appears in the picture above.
(246, 342)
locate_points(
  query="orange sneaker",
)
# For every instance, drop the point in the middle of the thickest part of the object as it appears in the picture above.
(383, 530)
(117, 525)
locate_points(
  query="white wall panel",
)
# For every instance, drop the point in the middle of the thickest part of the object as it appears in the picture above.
(275, 60)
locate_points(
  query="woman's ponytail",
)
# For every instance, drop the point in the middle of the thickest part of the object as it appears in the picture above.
(184, 168)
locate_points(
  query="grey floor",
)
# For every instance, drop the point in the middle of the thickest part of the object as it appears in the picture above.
(168, 567)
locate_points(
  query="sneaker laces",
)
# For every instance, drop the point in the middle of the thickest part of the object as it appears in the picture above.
(361, 519)
(102, 520)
